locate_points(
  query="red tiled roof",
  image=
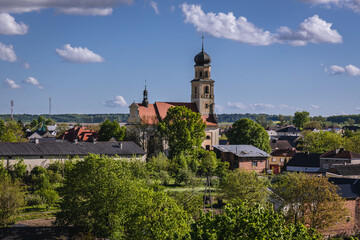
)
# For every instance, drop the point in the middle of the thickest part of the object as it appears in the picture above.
(341, 154)
(80, 133)
(153, 112)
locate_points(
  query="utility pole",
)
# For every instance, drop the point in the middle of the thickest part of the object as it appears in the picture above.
(12, 110)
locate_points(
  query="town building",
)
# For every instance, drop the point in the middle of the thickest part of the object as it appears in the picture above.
(338, 157)
(279, 158)
(304, 162)
(40, 153)
(243, 157)
(78, 133)
(202, 101)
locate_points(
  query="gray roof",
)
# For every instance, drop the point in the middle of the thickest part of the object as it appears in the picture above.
(242, 150)
(67, 148)
(348, 188)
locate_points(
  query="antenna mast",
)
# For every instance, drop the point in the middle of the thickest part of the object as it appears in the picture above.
(12, 110)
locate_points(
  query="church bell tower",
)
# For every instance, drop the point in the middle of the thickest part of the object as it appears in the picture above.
(202, 86)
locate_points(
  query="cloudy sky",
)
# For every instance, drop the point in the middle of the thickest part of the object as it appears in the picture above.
(268, 56)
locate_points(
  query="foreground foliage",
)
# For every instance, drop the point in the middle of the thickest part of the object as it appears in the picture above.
(103, 197)
(248, 222)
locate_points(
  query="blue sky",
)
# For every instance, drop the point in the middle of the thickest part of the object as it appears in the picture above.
(274, 57)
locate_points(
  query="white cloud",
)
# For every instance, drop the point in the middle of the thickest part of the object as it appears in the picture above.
(8, 25)
(154, 6)
(256, 106)
(349, 70)
(118, 101)
(33, 81)
(358, 109)
(313, 106)
(351, 4)
(78, 7)
(284, 106)
(7, 53)
(221, 25)
(78, 55)
(12, 84)
(26, 65)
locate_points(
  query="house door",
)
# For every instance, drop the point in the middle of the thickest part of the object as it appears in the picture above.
(275, 169)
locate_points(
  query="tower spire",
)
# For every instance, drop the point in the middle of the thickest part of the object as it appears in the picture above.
(145, 101)
(202, 43)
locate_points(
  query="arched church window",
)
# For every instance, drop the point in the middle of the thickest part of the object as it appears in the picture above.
(208, 137)
(200, 74)
(206, 74)
(207, 90)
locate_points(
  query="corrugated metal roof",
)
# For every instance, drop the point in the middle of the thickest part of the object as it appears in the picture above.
(67, 148)
(242, 150)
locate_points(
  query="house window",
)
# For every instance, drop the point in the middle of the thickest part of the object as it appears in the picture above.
(207, 147)
(208, 137)
(254, 163)
(281, 159)
(273, 159)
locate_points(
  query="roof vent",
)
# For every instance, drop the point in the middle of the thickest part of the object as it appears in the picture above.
(36, 141)
(120, 145)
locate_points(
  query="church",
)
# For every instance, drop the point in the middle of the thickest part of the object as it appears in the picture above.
(202, 101)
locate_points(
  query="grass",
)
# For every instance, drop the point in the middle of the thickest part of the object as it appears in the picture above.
(36, 212)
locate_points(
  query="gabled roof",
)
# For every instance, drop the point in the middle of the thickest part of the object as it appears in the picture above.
(289, 129)
(242, 150)
(341, 154)
(305, 160)
(67, 148)
(346, 170)
(158, 110)
(283, 153)
(281, 144)
(349, 188)
(79, 133)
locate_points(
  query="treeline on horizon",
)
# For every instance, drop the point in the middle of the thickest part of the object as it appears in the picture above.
(122, 117)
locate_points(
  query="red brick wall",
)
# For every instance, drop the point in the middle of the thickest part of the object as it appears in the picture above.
(247, 165)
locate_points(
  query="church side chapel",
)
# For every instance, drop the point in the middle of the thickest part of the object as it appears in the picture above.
(202, 101)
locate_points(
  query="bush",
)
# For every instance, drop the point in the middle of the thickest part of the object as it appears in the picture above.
(33, 200)
(164, 177)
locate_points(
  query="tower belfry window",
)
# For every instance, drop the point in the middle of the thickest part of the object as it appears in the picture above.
(195, 90)
(200, 74)
(207, 90)
(206, 74)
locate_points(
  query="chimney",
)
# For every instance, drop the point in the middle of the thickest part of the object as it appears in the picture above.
(76, 141)
(337, 151)
(36, 141)
(120, 145)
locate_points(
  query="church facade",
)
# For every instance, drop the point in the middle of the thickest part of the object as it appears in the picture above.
(202, 101)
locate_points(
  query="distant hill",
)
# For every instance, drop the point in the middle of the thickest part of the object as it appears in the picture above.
(122, 117)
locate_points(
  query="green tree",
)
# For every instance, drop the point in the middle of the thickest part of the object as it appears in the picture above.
(33, 123)
(110, 129)
(248, 222)
(183, 129)
(239, 186)
(12, 132)
(320, 142)
(300, 118)
(123, 209)
(310, 200)
(11, 200)
(246, 131)
(282, 120)
(19, 170)
(313, 124)
(353, 143)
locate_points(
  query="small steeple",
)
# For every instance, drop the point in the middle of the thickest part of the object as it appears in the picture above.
(145, 101)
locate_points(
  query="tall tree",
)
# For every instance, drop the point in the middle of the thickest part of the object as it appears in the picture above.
(320, 142)
(110, 129)
(353, 143)
(310, 200)
(246, 131)
(300, 118)
(183, 129)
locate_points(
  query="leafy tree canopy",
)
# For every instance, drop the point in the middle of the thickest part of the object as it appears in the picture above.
(320, 142)
(183, 129)
(110, 129)
(300, 118)
(246, 131)
(11, 131)
(310, 200)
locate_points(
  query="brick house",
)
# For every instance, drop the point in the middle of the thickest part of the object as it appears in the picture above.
(243, 157)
